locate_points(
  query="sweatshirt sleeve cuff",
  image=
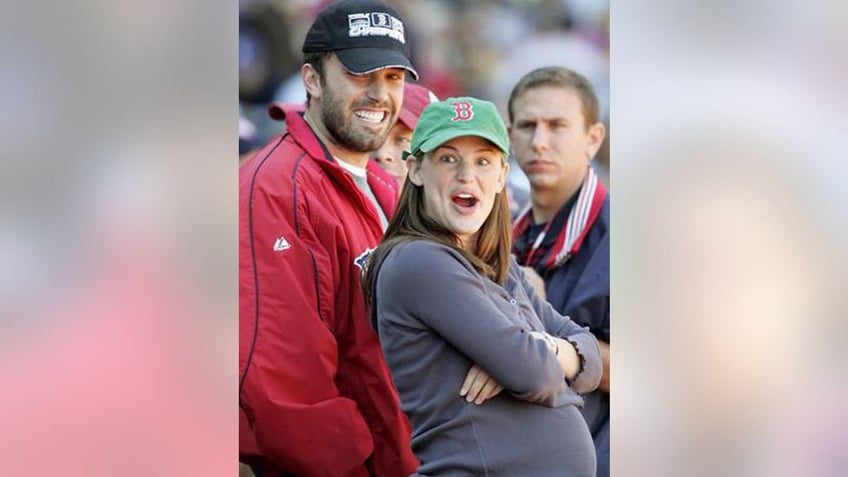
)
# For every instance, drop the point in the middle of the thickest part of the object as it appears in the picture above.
(589, 373)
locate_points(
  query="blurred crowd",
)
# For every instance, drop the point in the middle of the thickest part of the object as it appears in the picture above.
(459, 48)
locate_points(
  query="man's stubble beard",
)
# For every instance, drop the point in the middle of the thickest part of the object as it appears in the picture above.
(342, 133)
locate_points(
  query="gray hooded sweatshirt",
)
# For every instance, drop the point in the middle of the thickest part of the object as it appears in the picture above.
(436, 317)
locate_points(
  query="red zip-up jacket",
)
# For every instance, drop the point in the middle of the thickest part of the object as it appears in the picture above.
(315, 395)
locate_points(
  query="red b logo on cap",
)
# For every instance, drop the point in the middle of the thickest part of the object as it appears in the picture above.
(463, 111)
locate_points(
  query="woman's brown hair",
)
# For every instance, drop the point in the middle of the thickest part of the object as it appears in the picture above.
(410, 222)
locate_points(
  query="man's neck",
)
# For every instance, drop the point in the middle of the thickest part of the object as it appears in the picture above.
(546, 202)
(355, 158)
(544, 206)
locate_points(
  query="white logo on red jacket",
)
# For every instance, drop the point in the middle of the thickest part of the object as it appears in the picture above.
(362, 260)
(281, 244)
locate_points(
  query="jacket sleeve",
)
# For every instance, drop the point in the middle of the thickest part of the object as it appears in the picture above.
(433, 284)
(589, 303)
(591, 367)
(288, 355)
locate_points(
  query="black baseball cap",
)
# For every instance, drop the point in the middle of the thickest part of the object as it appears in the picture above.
(366, 35)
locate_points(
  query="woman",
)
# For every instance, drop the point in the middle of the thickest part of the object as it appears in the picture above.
(459, 323)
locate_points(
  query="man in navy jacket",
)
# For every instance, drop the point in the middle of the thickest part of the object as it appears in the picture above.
(564, 234)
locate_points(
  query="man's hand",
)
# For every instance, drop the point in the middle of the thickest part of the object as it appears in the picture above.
(478, 386)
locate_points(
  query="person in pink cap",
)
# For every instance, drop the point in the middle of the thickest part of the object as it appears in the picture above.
(389, 156)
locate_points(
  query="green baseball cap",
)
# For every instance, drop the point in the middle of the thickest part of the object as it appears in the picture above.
(442, 121)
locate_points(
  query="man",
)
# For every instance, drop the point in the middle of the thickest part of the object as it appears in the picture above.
(389, 156)
(564, 235)
(315, 396)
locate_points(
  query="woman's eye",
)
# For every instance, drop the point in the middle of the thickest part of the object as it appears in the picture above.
(447, 159)
(483, 161)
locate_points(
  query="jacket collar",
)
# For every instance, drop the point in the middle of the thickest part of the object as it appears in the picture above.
(382, 184)
(299, 129)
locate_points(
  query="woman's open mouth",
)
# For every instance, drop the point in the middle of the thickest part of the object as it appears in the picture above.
(465, 200)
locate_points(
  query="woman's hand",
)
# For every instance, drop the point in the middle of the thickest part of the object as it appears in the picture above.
(566, 354)
(478, 386)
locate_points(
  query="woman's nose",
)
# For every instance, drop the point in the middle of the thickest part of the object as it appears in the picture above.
(464, 172)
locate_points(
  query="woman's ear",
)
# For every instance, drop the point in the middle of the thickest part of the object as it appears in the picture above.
(414, 165)
(503, 174)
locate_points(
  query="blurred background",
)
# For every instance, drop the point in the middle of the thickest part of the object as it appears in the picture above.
(728, 256)
(471, 47)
